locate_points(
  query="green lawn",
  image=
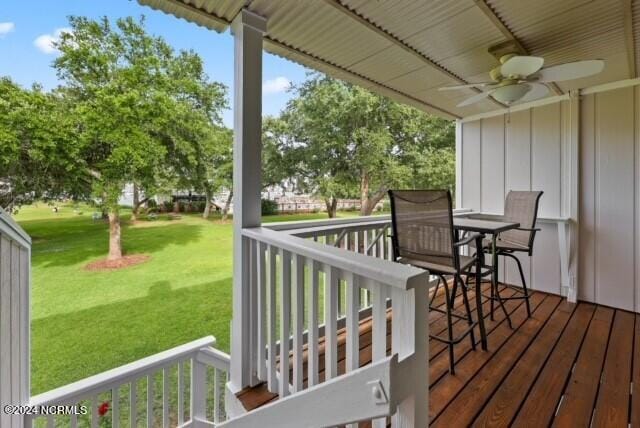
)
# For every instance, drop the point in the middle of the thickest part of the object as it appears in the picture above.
(86, 322)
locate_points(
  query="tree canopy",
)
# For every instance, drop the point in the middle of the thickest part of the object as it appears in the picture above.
(129, 109)
(342, 141)
(38, 151)
(142, 113)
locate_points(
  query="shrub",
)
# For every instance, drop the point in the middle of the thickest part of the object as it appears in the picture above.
(269, 207)
(198, 206)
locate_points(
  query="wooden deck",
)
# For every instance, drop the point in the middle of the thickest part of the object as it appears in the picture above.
(569, 365)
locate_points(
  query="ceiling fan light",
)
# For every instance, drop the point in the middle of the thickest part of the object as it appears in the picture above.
(510, 93)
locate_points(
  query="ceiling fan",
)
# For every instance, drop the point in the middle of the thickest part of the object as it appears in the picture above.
(521, 78)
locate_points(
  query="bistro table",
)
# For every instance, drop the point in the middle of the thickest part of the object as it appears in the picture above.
(492, 228)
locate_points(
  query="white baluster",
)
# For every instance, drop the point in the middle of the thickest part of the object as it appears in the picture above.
(217, 396)
(330, 322)
(262, 306)
(298, 321)
(150, 396)
(285, 320)
(133, 403)
(115, 407)
(165, 397)
(180, 393)
(271, 331)
(379, 332)
(312, 324)
(198, 390)
(73, 420)
(94, 412)
(353, 297)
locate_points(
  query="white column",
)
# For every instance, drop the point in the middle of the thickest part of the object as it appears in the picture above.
(572, 241)
(248, 29)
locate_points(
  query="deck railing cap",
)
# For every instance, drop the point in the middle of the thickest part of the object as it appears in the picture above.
(9, 226)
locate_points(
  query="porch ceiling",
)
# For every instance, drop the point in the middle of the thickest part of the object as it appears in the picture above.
(406, 49)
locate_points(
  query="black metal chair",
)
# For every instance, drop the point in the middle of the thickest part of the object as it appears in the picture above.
(519, 207)
(423, 236)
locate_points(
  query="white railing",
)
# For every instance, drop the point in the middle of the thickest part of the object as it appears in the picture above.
(295, 287)
(183, 386)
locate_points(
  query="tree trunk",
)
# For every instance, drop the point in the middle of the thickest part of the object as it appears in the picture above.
(227, 206)
(207, 205)
(176, 206)
(368, 203)
(373, 201)
(332, 206)
(115, 244)
(364, 194)
(136, 203)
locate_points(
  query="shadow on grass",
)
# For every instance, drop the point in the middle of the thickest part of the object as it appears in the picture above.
(69, 241)
(69, 347)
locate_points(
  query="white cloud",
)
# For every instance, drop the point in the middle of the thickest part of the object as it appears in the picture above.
(6, 28)
(277, 85)
(45, 42)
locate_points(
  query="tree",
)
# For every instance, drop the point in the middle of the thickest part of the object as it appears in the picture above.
(214, 164)
(343, 141)
(37, 149)
(139, 109)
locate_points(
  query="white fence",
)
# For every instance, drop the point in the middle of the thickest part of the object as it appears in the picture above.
(183, 387)
(15, 254)
(296, 287)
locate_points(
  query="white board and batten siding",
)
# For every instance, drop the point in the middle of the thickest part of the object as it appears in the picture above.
(520, 150)
(15, 253)
(610, 198)
(529, 149)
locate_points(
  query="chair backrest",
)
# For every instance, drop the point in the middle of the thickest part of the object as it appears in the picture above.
(422, 222)
(521, 207)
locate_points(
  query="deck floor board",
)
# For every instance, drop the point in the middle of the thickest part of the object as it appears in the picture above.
(547, 370)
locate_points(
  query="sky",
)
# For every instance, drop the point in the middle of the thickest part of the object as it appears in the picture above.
(28, 28)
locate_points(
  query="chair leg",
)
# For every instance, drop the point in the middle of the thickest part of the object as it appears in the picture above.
(449, 330)
(506, 314)
(465, 298)
(524, 282)
(454, 292)
(493, 297)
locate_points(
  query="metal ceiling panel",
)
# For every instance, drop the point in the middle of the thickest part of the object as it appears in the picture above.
(463, 32)
(404, 18)
(320, 30)
(200, 12)
(387, 45)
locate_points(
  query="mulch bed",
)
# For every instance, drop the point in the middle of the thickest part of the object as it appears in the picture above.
(125, 261)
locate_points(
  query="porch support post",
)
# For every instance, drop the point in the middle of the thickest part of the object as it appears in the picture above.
(248, 29)
(572, 203)
(459, 155)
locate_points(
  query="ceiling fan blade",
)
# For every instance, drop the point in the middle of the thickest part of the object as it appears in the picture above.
(537, 91)
(468, 85)
(521, 66)
(474, 99)
(570, 70)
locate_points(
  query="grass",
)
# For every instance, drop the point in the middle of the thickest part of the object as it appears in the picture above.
(86, 322)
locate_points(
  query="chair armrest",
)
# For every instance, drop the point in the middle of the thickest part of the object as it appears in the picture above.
(470, 238)
(528, 229)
